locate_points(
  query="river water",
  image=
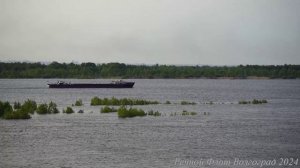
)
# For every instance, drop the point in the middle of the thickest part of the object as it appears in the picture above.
(227, 133)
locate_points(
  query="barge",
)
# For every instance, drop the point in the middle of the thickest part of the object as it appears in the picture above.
(113, 84)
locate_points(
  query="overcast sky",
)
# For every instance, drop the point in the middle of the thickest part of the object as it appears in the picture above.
(211, 32)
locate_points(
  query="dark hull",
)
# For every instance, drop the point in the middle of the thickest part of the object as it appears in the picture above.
(88, 85)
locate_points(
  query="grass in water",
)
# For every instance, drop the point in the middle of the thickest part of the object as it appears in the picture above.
(42, 109)
(254, 101)
(78, 102)
(17, 105)
(68, 110)
(120, 102)
(123, 112)
(187, 103)
(152, 113)
(29, 106)
(21, 111)
(167, 102)
(107, 109)
(4, 108)
(50, 108)
(188, 113)
(16, 115)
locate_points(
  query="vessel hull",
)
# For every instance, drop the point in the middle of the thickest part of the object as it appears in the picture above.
(88, 85)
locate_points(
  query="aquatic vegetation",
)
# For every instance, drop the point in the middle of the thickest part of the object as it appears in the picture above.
(173, 114)
(264, 101)
(4, 107)
(152, 113)
(244, 102)
(187, 103)
(23, 111)
(15, 115)
(254, 101)
(29, 106)
(183, 113)
(123, 112)
(52, 108)
(107, 109)
(42, 109)
(206, 113)
(47, 109)
(188, 113)
(17, 105)
(167, 102)
(210, 102)
(78, 102)
(123, 101)
(193, 113)
(68, 110)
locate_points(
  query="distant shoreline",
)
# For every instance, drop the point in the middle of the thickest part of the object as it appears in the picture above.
(217, 78)
(126, 71)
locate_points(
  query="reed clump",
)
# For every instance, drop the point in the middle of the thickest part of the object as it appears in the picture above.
(23, 111)
(16, 115)
(45, 108)
(254, 101)
(187, 103)
(152, 113)
(7, 112)
(123, 112)
(107, 109)
(78, 102)
(42, 109)
(167, 102)
(244, 102)
(120, 102)
(68, 110)
(17, 105)
(184, 113)
(4, 108)
(210, 103)
(29, 106)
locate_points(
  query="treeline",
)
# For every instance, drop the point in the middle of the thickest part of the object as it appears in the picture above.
(120, 70)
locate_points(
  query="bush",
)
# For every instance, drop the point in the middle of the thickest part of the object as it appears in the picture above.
(254, 101)
(193, 113)
(5, 107)
(42, 109)
(187, 103)
(18, 114)
(47, 109)
(167, 102)
(123, 112)
(29, 106)
(52, 108)
(124, 101)
(69, 110)
(152, 113)
(188, 113)
(244, 102)
(17, 105)
(107, 109)
(78, 102)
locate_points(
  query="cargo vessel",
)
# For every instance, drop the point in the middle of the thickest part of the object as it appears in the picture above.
(113, 84)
